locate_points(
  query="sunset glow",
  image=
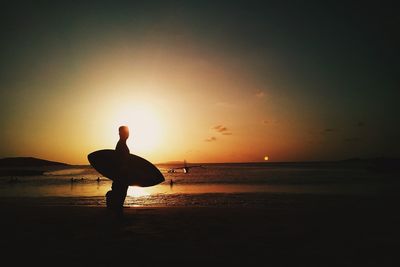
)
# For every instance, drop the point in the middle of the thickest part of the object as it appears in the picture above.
(146, 127)
(212, 133)
(211, 95)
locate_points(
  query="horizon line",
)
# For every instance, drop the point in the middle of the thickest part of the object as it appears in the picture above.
(234, 162)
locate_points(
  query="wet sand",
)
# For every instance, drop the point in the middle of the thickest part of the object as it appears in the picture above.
(295, 230)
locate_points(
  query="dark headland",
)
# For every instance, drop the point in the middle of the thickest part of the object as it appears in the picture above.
(28, 162)
(25, 166)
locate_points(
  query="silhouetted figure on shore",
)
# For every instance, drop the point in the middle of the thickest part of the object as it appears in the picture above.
(116, 196)
(171, 183)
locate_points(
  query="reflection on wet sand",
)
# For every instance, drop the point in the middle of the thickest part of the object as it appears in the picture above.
(83, 189)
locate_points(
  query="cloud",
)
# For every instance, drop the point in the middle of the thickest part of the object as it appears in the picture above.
(260, 94)
(221, 129)
(211, 139)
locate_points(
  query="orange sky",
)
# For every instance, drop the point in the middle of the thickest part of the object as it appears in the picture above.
(205, 82)
(179, 104)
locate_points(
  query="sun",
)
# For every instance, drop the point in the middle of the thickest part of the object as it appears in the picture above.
(145, 127)
(266, 158)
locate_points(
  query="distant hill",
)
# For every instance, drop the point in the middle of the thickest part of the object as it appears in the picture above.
(28, 162)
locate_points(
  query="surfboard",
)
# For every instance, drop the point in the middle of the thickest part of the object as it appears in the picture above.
(134, 170)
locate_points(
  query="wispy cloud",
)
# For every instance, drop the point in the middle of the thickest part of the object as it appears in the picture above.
(222, 130)
(219, 129)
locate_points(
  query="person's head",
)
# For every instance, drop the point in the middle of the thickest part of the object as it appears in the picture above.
(123, 132)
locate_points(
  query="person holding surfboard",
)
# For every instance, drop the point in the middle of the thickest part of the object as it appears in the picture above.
(116, 196)
(124, 169)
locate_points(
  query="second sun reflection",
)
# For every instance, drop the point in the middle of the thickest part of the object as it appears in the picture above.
(135, 191)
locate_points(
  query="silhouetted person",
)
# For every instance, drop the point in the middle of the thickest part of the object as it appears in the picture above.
(171, 183)
(116, 196)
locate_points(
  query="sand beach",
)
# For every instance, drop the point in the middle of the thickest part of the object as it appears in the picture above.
(294, 230)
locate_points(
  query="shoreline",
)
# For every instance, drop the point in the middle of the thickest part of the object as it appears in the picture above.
(257, 199)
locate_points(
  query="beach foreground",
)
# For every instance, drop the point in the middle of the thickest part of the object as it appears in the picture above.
(295, 230)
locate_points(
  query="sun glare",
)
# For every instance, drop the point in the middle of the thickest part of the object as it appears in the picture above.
(144, 127)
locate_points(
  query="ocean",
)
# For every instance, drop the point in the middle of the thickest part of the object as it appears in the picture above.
(229, 184)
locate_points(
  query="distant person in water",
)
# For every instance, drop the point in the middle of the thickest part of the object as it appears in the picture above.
(116, 196)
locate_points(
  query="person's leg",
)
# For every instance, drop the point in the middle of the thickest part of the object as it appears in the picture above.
(122, 195)
(109, 199)
(113, 196)
(119, 195)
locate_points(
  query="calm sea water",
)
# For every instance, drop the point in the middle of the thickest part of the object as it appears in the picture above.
(246, 184)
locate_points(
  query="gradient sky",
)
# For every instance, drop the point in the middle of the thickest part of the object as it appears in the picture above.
(199, 80)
